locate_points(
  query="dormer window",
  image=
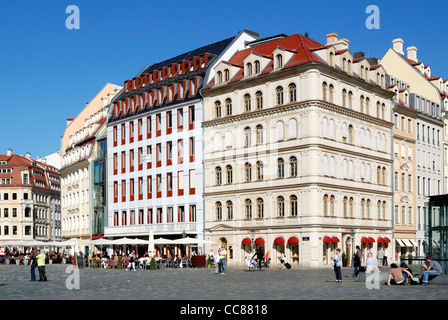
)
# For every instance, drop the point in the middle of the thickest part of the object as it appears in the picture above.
(279, 61)
(331, 59)
(257, 67)
(218, 77)
(248, 69)
(226, 75)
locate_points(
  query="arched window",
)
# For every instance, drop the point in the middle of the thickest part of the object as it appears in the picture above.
(293, 166)
(332, 167)
(229, 207)
(351, 208)
(217, 109)
(229, 174)
(292, 92)
(378, 109)
(383, 172)
(247, 137)
(226, 75)
(367, 106)
(368, 209)
(351, 139)
(325, 166)
(228, 107)
(249, 69)
(248, 209)
(350, 169)
(260, 208)
(259, 170)
(378, 210)
(259, 98)
(331, 95)
(280, 207)
(218, 142)
(279, 95)
(218, 176)
(363, 208)
(259, 134)
(292, 128)
(247, 172)
(361, 104)
(326, 199)
(345, 207)
(344, 98)
(280, 131)
(280, 168)
(247, 104)
(293, 204)
(332, 206)
(228, 139)
(324, 91)
(279, 61)
(344, 169)
(218, 207)
(325, 127)
(218, 77)
(257, 66)
(350, 100)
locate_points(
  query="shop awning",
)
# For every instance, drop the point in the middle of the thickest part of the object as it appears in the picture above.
(259, 241)
(293, 240)
(279, 240)
(327, 240)
(334, 239)
(331, 239)
(407, 242)
(386, 240)
(400, 243)
(246, 241)
(414, 243)
(380, 240)
(365, 240)
(371, 240)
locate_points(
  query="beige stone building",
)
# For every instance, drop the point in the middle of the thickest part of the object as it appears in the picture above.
(297, 154)
(78, 145)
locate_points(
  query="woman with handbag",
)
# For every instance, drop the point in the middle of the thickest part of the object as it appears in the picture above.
(337, 265)
(33, 265)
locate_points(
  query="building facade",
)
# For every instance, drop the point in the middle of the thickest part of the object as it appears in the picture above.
(80, 150)
(424, 97)
(298, 158)
(30, 205)
(155, 147)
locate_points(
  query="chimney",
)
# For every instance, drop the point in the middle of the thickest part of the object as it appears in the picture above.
(9, 152)
(28, 155)
(69, 120)
(398, 46)
(412, 53)
(332, 37)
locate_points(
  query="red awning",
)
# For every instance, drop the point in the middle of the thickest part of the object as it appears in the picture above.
(259, 241)
(364, 240)
(327, 240)
(334, 239)
(371, 240)
(293, 240)
(279, 240)
(380, 240)
(386, 240)
(246, 241)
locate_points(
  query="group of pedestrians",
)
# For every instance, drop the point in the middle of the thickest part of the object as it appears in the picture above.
(38, 260)
(397, 275)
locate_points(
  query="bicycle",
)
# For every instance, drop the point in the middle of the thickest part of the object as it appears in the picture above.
(254, 265)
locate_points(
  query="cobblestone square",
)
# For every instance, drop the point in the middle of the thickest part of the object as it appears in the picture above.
(203, 284)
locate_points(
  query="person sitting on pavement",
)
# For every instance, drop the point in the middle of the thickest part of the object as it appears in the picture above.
(432, 269)
(396, 275)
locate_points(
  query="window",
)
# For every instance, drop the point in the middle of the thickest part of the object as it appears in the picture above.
(248, 209)
(280, 168)
(260, 208)
(217, 109)
(248, 69)
(226, 75)
(280, 131)
(229, 209)
(259, 99)
(247, 172)
(280, 207)
(293, 203)
(279, 61)
(247, 137)
(325, 202)
(324, 91)
(279, 95)
(218, 77)
(218, 208)
(292, 93)
(259, 134)
(228, 107)
(293, 166)
(259, 170)
(247, 105)
(229, 174)
(292, 128)
(257, 66)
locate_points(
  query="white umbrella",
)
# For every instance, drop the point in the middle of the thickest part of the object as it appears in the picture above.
(187, 240)
(163, 241)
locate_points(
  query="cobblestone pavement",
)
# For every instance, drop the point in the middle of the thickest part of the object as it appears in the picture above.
(203, 284)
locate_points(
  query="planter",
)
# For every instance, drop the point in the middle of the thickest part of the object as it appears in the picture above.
(64, 261)
(344, 262)
(17, 262)
(50, 261)
(8, 261)
(25, 262)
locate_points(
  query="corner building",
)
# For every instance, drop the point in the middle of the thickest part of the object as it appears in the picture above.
(155, 147)
(297, 152)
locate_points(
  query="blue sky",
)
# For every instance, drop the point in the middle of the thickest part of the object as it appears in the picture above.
(48, 73)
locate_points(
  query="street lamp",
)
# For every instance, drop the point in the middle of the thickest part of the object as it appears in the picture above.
(352, 234)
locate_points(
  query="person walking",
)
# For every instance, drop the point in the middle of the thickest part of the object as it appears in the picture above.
(337, 265)
(385, 257)
(380, 256)
(41, 265)
(357, 261)
(33, 265)
(216, 259)
(282, 260)
(222, 259)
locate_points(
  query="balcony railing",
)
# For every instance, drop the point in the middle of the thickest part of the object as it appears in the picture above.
(159, 228)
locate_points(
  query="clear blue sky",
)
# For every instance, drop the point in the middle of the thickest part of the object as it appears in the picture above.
(48, 73)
